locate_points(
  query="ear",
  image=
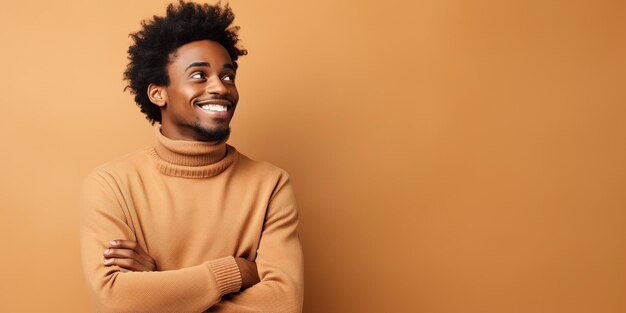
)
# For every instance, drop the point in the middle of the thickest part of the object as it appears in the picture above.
(157, 95)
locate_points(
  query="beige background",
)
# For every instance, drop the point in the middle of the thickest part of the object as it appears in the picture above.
(447, 155)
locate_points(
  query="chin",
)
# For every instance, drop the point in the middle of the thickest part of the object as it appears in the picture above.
(211, 133)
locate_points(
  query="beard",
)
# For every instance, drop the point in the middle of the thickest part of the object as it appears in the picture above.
(210, 134)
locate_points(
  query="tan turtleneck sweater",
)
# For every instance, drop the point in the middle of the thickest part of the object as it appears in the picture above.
(193, 207)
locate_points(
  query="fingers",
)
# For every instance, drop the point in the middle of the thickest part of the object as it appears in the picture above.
(129, 255)
(129, 264)
(129, 244)
(126, 244)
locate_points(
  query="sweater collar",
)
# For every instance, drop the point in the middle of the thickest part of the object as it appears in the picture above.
(191, 159)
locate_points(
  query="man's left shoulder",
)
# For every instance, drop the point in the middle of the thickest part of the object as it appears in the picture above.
(260, 168)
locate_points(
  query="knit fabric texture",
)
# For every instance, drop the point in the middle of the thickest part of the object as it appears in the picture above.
(193, 207)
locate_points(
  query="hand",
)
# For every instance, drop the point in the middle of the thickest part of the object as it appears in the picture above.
(129, 255)
(249, 273)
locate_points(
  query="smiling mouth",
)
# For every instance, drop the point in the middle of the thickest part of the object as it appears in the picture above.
(214, 105)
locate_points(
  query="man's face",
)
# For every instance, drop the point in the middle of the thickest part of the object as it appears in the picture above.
(201, 98)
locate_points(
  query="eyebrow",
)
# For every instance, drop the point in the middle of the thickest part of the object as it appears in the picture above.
(198, 64)
(206, 64)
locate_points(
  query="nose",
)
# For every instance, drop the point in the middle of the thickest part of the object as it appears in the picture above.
(216, 87)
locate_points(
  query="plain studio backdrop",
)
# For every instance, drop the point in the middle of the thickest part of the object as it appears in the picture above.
(447, 155)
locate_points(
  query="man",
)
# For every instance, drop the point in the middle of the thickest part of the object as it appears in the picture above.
(191, 224)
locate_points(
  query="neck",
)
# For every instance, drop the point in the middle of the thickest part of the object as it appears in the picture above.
(190, 158)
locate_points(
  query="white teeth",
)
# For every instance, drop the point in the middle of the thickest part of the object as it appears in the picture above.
(214, 107)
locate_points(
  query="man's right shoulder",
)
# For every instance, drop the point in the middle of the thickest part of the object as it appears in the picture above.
(130, 163)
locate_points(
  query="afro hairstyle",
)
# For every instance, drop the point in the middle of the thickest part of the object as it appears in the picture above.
(161, 36)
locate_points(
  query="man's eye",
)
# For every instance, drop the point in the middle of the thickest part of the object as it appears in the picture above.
(229, 78)
(198, 75)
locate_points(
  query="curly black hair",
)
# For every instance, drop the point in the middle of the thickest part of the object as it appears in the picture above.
(159, 37)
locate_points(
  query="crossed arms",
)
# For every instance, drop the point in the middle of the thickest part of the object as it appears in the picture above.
(129, 255)
(272, 283)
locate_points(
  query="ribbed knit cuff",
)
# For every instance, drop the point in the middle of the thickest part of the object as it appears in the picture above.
(226, 273)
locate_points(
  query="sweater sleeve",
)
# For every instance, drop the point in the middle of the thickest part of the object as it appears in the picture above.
(114, 289)
(279, 261)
